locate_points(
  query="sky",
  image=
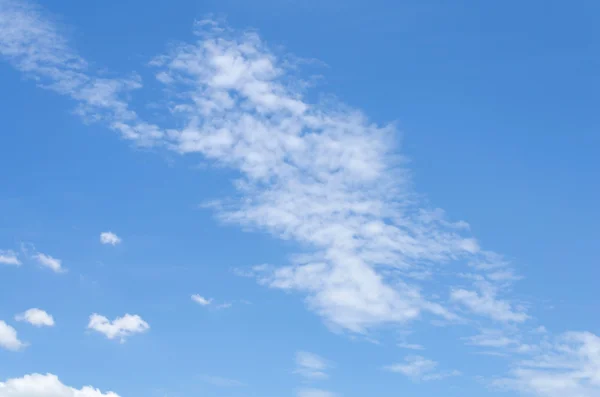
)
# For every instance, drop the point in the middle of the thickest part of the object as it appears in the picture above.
(309, 198)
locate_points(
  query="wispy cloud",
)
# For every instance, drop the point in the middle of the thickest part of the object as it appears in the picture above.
(421, 369)
(8, 257)
(315, 393)
(50, 262)
(220, 381)
(8, 337)
(35, 46)
(568, 367)
(311, 366)
(202, 301)
(318, 173)
(120, 327)
(36, 317)
(109, 238)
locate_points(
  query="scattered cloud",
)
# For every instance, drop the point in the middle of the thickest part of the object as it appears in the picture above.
(120, 327)
(568, 367)
(48, 385)
(411, 346)
(311, 366)
(8, 257)
(9, 339)
(220, 381)
(36, 317)
(485, 303)
(315, 393)
(321, 174)
(202, 301)
(109, 238)
(419, 368)
(36, 47)
(51, 263)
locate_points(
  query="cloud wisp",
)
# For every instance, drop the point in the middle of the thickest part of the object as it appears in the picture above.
(419, 368)
(311, 366)
(8, 257)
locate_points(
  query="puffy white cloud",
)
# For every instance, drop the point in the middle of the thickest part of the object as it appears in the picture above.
(48, 261)
(48, 385)
(8, 257)
(201, 300)
(311, 366)
(568, 367)
(109, 238)
(8, 338)
(120, 327)
(36, 317)
(420, 368)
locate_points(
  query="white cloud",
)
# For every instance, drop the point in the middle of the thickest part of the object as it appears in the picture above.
(8, 257)
(568, 367)
(315, 393)
(411, 346)
(35, 46)
(9, 339)
(48, 385)
(420, 369)
(486, 303)
(36, 317)
(311, 366)
(51, 263)
(109, 238)
(201, 300)
(220, 381)
(318, 173)
(120, 327)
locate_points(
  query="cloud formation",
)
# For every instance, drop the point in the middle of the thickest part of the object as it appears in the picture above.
(36, 317)
(311, 366)
(120, 327)
(8, 257)
(568, 367)
(48, 385)
(420, 369)
(50, 262)
(202, 301)
(8, 338)
(109, 238)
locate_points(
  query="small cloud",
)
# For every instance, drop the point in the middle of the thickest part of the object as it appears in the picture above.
(220, 381)
(121, 327)
(311, 366)
(201, 300)
(36, 317)
(420, 369)
(109, 238)
(411, 346)
(53, 264)
(226, 305)
(9, 258)
(315, 393)
(8, 338)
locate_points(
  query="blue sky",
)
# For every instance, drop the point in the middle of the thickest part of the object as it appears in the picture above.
(305, 199)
